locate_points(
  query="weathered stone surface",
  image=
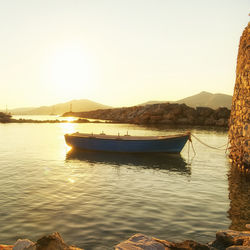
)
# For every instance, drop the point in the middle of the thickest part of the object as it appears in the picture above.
(238, 248)
(239, 131)
(52, 242)
(228, 238)
(23, 244)
(189, 244)
(140, 242)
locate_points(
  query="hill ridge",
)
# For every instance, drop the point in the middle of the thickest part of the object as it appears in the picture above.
(60, 108)
(202, 99)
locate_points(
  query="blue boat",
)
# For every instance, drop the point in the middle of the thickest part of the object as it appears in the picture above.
(127, 143)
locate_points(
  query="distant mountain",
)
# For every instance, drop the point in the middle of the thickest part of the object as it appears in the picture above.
(151, 102)
(206, 99)
(21, 110)
(203, 99)
(58, 109)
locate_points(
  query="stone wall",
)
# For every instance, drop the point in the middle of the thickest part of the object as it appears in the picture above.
(239, 128)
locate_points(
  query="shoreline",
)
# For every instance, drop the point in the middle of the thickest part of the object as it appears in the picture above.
(83, 120)
(224, 240)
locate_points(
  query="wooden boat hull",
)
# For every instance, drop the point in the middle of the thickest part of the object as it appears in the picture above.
(171, 144)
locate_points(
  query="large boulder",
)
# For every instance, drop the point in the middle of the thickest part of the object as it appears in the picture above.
(140, 242)
(52, 242)
(24, 244)
(228, 238)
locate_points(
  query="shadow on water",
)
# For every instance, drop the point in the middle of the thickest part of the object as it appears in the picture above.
(239, 195)
(161, 161)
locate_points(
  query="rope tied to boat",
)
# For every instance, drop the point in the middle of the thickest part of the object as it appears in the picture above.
(222, 147)
(205, 144)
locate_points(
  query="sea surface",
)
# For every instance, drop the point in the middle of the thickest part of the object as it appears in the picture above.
(96, 200)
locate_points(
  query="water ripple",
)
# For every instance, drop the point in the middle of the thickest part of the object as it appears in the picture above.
(97, 200)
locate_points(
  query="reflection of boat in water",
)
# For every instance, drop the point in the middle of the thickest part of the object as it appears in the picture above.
(172, 162)
(127, 143)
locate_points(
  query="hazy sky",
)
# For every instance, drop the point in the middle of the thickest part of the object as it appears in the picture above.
(117, 52)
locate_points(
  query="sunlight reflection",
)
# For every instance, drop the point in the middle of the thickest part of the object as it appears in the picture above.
(68, 148)
(68, 128)
(70, 119)
(71, 180)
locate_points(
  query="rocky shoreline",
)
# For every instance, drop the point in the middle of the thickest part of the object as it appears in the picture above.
(45, 121)
(163, 113)
(7, 118)
(227, 239)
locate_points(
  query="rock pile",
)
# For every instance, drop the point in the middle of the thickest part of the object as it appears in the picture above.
(163, 113)
(51, 242)
(239, 127)
(229, 239)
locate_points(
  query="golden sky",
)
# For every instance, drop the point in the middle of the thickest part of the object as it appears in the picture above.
(117, 52)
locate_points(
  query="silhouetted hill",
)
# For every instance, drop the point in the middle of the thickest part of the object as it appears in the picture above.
(206, 99)
(151, 102)
(203, 99)
(58, 109)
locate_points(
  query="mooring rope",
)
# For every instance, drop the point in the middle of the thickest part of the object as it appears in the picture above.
(212, 147)
(190, 142)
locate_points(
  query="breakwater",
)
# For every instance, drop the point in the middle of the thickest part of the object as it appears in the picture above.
(164, 113)
(239, 128)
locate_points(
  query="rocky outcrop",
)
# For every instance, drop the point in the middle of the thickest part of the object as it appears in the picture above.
(4, 117)
(228, 239)
(143, 242)
(239, 128)
(53, 241)
(140, 241)
(163, 113)
(50, 242)
(231, 239)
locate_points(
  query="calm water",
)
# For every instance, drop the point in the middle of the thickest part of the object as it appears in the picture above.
(96, 200)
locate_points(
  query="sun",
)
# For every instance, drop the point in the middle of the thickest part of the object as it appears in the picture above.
(69, 72)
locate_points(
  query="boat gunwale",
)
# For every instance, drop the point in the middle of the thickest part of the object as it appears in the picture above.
(126, 137)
